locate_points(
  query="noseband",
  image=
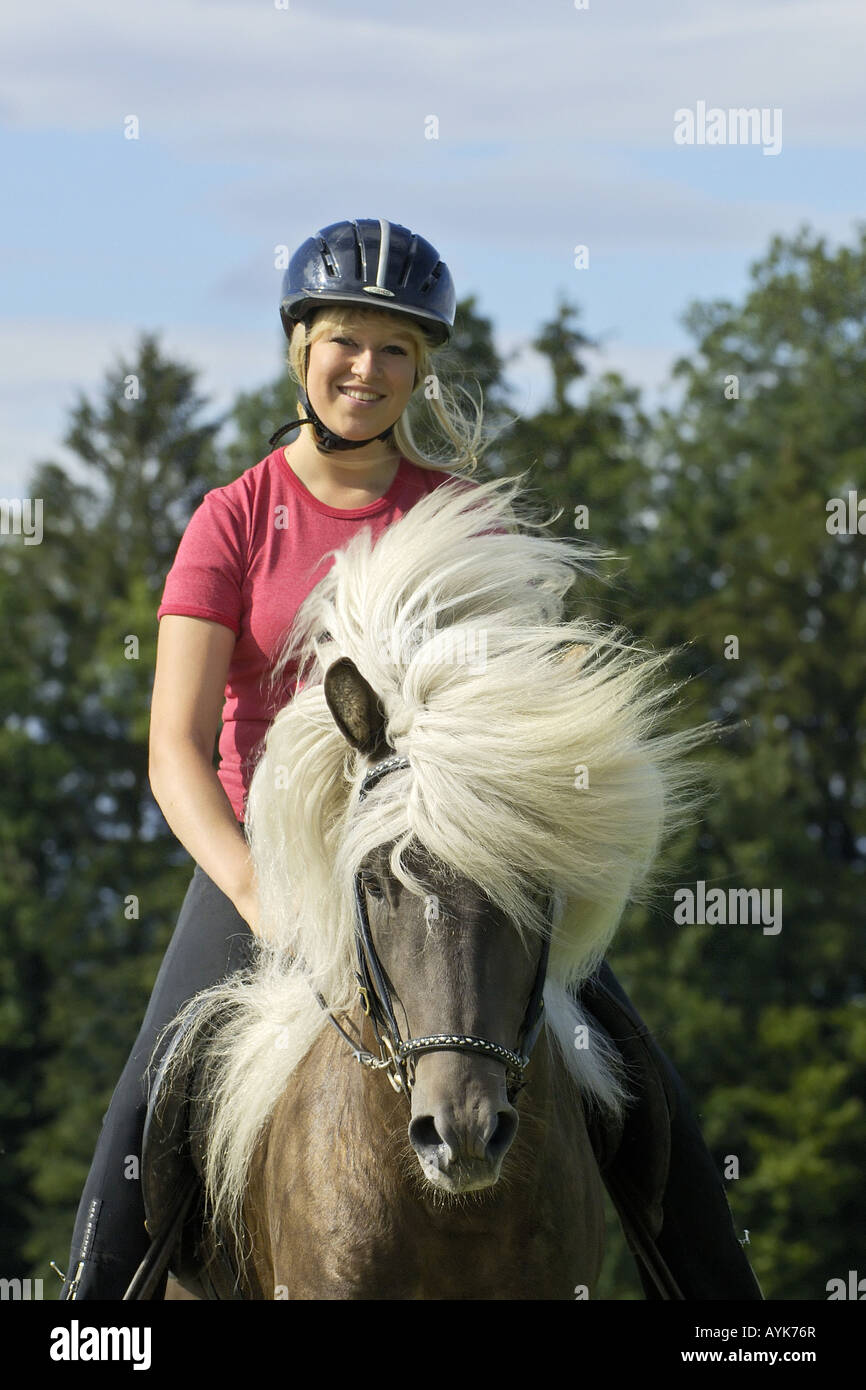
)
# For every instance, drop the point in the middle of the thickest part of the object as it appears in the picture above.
(396, 1055)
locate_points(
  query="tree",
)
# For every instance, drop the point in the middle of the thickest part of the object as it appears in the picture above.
(768, 1028)
(94, 877)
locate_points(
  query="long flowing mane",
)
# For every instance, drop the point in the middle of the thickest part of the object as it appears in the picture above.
(455, 616)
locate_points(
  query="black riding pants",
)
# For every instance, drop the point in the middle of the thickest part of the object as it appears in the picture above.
(697, 1240)
(211, 940)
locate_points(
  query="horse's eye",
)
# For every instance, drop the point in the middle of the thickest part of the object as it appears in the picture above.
(372, 885)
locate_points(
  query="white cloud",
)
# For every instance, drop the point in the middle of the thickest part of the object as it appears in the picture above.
(236, 80)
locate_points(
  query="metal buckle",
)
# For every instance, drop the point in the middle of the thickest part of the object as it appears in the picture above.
(395, 1067)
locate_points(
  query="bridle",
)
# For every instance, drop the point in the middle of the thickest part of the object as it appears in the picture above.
(396, 1054)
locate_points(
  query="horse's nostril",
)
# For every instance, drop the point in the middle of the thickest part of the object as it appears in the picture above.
(423, 1134)
(503, 1136)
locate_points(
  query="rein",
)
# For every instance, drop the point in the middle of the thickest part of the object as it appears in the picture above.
(396, 1054)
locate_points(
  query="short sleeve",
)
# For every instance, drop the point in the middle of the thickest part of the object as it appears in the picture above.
(207, 576)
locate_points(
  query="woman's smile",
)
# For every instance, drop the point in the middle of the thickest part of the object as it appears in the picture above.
(361, 395)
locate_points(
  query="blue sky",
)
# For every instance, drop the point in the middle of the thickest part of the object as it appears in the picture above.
(259, 124)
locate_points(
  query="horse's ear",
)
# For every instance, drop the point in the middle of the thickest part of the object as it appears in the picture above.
(355, 706)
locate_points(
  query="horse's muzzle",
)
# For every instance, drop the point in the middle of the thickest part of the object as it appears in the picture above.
(461, 1147)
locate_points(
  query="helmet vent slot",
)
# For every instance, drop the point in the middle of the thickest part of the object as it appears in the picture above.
(328, 258)
(360, 255)
(431, 278)
(407, 264)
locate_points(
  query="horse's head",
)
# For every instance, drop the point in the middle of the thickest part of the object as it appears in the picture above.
(460, 982)
(453, 992)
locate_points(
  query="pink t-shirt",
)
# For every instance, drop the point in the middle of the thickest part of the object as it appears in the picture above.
(248, 558)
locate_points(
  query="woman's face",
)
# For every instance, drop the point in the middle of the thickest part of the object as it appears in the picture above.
(359, 381)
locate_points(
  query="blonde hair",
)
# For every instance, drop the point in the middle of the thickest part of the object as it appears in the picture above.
(464, 432)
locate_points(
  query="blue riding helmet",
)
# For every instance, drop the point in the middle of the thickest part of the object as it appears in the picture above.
(372, 262)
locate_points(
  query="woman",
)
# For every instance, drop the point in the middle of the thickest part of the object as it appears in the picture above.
(363, 304)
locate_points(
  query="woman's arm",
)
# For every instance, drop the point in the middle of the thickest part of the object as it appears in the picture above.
(192, 662)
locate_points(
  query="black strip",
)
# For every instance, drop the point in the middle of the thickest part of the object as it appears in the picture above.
(408, 263)
(360, 255)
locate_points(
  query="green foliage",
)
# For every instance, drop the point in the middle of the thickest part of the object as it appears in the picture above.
(80, 831)
(760, 1025)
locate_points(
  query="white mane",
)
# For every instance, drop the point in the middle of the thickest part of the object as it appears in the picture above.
(455, 616)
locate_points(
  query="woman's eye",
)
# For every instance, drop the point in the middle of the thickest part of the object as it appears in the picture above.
(391, 347)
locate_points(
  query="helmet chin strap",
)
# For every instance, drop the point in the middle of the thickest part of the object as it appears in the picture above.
(326, 439)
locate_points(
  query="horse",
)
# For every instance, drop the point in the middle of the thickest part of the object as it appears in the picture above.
(447, 821)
